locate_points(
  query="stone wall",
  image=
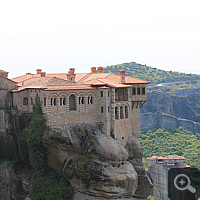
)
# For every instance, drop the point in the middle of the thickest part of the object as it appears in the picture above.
(102, 109)
(6, 86)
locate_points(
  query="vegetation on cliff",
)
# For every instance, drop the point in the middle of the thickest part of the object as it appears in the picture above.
(173, 141)
(151, 74)
(46, 183)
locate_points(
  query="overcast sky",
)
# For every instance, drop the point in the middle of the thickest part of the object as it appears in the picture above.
(56, 35)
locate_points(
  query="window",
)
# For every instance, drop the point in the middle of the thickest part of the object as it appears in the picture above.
(90, 100)
(25, 101)
(121, 113)
(143, 90)
(126, 111)
(81, 100)
(101, 93)
(133, 91)
(116, 113)
(62, 101)
(108, 109)
(53, 101)
(31, 101)
(108, 93)
(101, 109)
(138, 90)
(45, 101)
(72, 103)
(121, 94)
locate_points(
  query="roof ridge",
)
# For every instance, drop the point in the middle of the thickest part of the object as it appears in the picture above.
(84, 77)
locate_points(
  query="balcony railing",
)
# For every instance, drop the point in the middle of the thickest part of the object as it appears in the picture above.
(121, 98)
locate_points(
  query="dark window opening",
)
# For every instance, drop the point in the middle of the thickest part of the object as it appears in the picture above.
(138, 90)
(126, 111)
(143, 90)
(108, 109)
(101, 109)
(81, 100)
(45, 101)
(53, 101)
(62, 101)
(72, 103)
(116, 113)
(122, 138)
(108, 93)
(25, 101)
(121, 113)
(133, 91)
(101, 93)
(121, 94)
(90, 100)
(31, 101)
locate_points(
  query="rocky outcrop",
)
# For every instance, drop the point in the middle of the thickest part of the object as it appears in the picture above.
(97, 165)
(180, 107)
(12, 186)
(163, 120)
(135, 158)
(163, 111)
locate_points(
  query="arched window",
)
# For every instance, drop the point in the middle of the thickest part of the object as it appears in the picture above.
(25, 101)
(72, 103)
(126, 111)
(62, 101)
(53, 101)
(81, 100)
(90, 100)
(31, 101)
(116, 113)
(121, 113)
(45, 101)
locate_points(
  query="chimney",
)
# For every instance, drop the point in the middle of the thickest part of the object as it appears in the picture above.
(28, 75)
(100, 69)
(122, 75)
(71, 70)
(163, 154)
(43, 74)
(71, 75)
(93, 70)
(38, 71)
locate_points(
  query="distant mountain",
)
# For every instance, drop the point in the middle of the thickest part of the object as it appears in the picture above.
(151, 74)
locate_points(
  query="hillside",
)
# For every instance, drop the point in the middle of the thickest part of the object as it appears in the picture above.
(173, 141)
(151, 74)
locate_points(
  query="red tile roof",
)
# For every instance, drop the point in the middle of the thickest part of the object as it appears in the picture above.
(168, 157)
(93, 79)
(49, 83)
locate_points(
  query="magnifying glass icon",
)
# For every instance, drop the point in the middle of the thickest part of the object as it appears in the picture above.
(182, 182)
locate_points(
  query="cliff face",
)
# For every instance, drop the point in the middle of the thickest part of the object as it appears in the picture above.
(162, 120)
(163, 111)
(97, 165)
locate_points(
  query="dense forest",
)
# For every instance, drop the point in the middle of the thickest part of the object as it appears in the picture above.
(151, 74)
(173, 141)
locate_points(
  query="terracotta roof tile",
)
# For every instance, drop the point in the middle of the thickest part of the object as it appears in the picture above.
(168, 157)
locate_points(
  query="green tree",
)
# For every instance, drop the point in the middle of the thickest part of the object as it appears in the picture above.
(46, 183)
(35, 134)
